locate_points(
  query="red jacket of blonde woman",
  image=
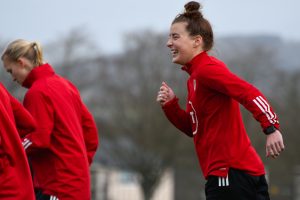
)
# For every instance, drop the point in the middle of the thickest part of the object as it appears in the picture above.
(66, 139)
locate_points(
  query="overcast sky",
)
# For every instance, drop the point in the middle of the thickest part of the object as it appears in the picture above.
(106, 21)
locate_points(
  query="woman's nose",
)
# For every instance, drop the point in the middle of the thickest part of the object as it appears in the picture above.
(169, 43)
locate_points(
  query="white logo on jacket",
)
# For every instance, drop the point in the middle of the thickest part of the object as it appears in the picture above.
(195, 84)
(194, 117)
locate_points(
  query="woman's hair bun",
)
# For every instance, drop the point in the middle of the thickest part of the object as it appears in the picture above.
(192, 6)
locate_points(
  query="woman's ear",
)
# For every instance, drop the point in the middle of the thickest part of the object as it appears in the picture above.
(198, 41)
(24, 63)
(21, 62)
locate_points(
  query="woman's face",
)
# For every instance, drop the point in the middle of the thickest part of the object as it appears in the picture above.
(17, 69)
(183, 46)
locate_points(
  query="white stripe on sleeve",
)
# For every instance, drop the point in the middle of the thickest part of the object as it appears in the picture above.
(26, 143)
(265, 108)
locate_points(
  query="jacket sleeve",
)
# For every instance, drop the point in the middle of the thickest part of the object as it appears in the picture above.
(219, 78)
(90, 133)
(25, 123)
(40, 107)
(177, 116)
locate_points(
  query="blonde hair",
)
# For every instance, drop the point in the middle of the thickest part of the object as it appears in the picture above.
(22, 48)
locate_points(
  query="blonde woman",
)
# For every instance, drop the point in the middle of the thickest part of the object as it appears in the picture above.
(66, 139)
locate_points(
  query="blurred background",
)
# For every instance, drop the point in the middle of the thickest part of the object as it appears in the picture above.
(115, 53)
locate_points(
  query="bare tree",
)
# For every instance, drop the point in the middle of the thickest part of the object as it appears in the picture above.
(137, 75)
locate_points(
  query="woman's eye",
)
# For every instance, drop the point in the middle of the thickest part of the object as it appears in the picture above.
(175, 37)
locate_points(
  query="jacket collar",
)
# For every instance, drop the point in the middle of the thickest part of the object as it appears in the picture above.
(191, 66)
(36, 73)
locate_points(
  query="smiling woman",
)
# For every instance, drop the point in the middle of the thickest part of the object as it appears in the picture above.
(212, 116)
(185, 37)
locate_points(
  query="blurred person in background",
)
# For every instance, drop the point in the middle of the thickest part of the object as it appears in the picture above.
(229, 162)
(15, 122)
(62, 148)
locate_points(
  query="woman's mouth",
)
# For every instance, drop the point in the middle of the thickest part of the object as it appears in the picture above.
(174, 52)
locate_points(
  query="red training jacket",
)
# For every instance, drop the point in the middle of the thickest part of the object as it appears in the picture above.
(212, 117)
(15, 177)
(66, 139)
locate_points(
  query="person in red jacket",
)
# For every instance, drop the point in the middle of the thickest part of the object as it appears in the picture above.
(62, 148)
(229, 162)
(15, 122)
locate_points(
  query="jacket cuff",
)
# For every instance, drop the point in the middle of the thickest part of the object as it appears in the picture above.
(170, 103)
(269, 128)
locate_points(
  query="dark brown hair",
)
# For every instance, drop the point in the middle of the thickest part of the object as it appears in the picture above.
(196, 23)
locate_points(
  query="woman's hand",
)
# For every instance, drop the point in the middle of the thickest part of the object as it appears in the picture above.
(274, 144)
(165, 94)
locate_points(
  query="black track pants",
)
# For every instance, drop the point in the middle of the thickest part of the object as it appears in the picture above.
(238, 185)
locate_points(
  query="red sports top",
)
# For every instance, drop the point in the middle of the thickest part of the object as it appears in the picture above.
(212, 117)
(15, 177)
(66, 138)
